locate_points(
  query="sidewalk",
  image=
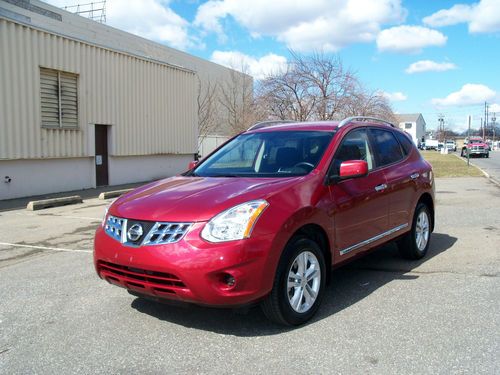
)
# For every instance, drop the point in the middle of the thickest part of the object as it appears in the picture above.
(17, 203)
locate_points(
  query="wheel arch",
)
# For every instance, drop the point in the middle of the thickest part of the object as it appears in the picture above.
(316, 233)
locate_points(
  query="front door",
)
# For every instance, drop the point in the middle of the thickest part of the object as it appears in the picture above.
(361, 205)
(101, 155)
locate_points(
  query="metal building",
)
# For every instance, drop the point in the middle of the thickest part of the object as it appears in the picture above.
(83, 104)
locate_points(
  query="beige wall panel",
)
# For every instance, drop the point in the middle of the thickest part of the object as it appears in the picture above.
(150, 106)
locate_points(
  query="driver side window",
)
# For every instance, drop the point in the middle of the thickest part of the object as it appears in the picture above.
(355, 146)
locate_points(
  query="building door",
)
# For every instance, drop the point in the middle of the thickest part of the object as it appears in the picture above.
(101, 155)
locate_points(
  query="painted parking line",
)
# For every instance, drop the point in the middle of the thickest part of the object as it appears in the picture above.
(45, 248)
(59, 215)
(81, 217)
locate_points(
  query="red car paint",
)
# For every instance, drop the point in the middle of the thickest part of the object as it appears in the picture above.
(238, 272)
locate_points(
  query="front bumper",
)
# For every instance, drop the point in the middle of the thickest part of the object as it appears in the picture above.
(191, 270)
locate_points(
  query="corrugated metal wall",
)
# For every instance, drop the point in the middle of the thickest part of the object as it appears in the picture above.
(151, 106)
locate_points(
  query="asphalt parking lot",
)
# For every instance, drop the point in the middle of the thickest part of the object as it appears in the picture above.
(380, 315)
(490, 165)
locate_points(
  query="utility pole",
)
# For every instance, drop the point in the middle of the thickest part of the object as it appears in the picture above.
(493, 126)
(441, 127)
(468, 138)
(485, 120)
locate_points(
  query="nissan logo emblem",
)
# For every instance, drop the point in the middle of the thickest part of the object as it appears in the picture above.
(134, 232)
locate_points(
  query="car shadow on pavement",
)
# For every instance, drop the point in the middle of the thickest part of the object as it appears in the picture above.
(349, 284)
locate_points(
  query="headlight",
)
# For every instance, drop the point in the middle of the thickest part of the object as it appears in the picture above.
(235, 223)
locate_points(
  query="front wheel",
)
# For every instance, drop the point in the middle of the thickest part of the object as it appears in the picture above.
(415, 243)
(299, 283)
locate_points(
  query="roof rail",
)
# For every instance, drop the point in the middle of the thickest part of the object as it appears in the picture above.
(348, 120)
(265, 124)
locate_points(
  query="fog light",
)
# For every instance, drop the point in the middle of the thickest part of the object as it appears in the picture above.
(229, 280)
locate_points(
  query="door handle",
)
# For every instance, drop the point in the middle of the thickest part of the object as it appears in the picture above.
(414, 176)
(380, 187)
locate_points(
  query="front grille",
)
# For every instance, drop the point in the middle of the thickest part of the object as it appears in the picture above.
(136, 233)
(131, 276)
(166, 233)
(114, 227)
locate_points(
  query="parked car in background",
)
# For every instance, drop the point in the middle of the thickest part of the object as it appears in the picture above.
(265, 217)
(451, 145)
(431, 144)
(475, 146)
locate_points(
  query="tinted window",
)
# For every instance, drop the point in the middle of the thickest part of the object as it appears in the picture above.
(406, 143)
(355, 146)
(386, 146)
(267, 154)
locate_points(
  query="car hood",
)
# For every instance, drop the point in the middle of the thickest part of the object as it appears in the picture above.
(191, 199)
(477, 144)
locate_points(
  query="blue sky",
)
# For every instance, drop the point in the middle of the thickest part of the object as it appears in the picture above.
(433, 57)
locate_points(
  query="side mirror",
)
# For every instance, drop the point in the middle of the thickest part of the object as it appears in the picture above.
(192, 164)
(353, 168)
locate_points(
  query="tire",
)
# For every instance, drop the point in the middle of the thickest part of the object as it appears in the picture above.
(278, 304)
(462, 154)
(415, 243)
(487, 155)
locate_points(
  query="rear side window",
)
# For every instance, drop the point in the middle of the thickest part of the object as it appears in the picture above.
(386, 147)
(406, 143)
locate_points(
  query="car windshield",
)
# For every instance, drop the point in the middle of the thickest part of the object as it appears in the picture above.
(267, 154)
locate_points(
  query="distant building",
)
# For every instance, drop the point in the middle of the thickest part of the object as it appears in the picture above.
(413, 124)
(83, 104)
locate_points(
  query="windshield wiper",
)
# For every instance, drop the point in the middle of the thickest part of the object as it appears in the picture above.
(225, 175)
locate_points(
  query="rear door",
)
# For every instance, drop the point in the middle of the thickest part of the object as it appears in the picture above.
(360, 205)
(392, 157)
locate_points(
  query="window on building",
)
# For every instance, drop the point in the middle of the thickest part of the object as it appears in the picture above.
(59, 99)
(408, 125)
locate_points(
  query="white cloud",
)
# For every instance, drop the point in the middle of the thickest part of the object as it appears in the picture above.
(469, 94)
(325, 25)
(409, 39)
(458, 13)
(258, 68)
(151, 19)
(495, 108)
(429, 66)
(394, 96)
(482, 17)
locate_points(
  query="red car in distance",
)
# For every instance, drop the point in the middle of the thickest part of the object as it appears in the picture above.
(266, 216)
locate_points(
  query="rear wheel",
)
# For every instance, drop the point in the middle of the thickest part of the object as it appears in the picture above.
(415, 243)
(299, 283)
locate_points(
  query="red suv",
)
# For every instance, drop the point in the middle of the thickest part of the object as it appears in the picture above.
(267, 215)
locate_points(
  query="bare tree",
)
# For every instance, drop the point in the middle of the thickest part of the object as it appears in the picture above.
(237, 101)
(317, 87)
(208, 109)
(366, 103)
(286, 96)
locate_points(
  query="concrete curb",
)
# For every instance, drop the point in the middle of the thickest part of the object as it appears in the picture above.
(113, 194)
(53, 202)
(486, 174)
